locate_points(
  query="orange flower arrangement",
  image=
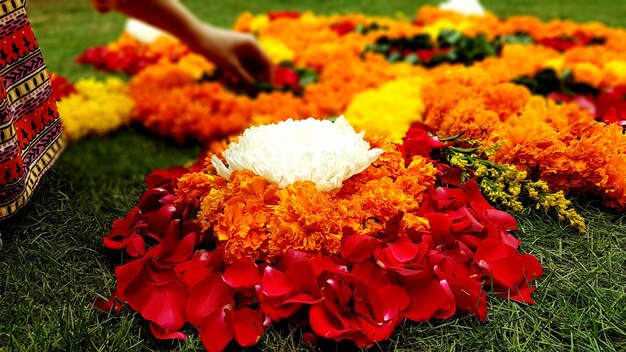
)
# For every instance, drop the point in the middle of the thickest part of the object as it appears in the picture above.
(561, 144)
(478, 99)
(170, 101)
(252, 218)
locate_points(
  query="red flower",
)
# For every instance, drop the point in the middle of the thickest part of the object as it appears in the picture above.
(611, 105)
(560, 43)
(586, 102)
(286, 77)
(426, 55)
(343, 28)
(96, 56)
(274, 15)
(418, 141)
(61, 86)
(565, 42)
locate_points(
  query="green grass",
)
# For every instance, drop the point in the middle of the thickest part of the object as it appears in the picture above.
(53, 263)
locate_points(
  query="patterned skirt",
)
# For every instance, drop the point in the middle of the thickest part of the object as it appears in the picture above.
(30, 129)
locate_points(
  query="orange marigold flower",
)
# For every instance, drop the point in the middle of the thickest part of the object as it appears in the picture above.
(305, 219)
(193, 187)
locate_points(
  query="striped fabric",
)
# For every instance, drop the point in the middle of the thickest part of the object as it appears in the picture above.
(30, 129)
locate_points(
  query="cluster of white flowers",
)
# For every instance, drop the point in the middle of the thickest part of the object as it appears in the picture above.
(466, 7)
(142, 31)
(320, 151)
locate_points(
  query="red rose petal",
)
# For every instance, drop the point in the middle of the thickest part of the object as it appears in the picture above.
(326, 324)
(243, 273)
(159, 220)
(112, 304)
(302, 298)
(136, 246)
(426, 298)
(469, 296)
(532, 267)
(508, 271)
(215, 332)
(247, 326)
(490, 251)
(163, 304)
(501, 219)
(275, 283)
(126, 273)
(395, 299)
(358, 248)
(403, 249)
(200, 266)
(174, 249)
(522, 294)
(162, 334)
(207, 297)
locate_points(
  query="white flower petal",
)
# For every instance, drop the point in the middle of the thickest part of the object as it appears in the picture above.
(320, 151)
(465, 7)
(142, 31)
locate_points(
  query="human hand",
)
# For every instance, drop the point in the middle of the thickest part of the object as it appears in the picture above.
(236, 53)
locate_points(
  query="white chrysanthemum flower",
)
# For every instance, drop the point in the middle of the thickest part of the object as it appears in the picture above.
(466, 7)
(142, 31)
(320, 151)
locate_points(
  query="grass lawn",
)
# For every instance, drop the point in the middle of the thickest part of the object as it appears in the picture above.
(53, 263)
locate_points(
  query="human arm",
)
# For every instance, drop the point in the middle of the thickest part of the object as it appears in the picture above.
(237, 53)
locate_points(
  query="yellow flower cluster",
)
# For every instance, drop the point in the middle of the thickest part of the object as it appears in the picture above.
(276, 50)
(513, 189)
(96, 108)
(388, 110)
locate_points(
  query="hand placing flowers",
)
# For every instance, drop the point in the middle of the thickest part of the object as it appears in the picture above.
(236, 53)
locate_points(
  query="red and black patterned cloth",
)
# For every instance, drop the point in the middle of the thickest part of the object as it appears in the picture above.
(30, 129)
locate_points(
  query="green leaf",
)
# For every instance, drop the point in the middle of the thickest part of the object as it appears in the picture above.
(307, 76)
(395, 57)
(412, 59)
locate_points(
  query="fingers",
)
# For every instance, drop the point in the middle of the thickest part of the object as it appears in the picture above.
(242, 73)
(259, 64)
(237, 53)
(251, 63)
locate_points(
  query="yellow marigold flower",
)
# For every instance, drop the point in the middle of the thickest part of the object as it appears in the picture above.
(555, 63)
(434, 29)
(96, 108)
(370, 110)
(615, 73)
(195, 65)
(259, 22)
(276, 50)
(588, 73)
